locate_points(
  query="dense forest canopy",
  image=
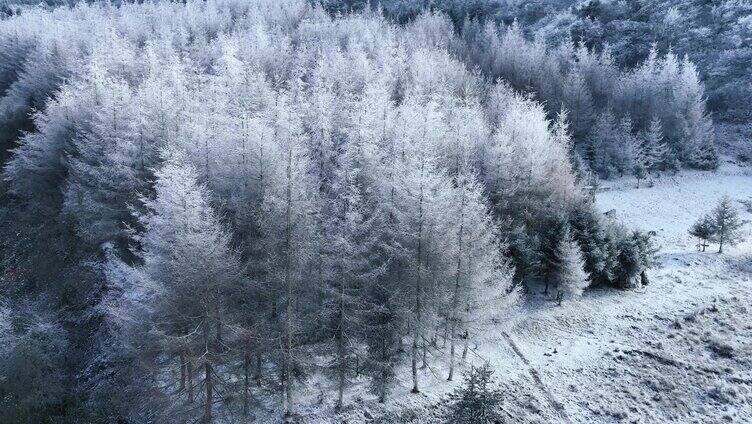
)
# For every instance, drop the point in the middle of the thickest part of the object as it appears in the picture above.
(202, 200)
(714, 35)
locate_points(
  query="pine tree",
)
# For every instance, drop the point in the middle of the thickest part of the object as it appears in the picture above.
(478, 401)
(386, 305)
(572, 279)
(555, 233)
(696, 126)
(726, 224)
(187, 257)
(703, 231)
(639, 159)
(352, 260)
(290, 231)
(578, 103)
(603, 139)
(654, 146)
(422, 189)
(108, 170)
(627, 153)
(475, 254)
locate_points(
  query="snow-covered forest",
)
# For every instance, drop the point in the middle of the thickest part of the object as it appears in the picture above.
(231, 211)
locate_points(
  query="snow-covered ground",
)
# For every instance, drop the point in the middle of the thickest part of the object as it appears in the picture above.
(678, 350)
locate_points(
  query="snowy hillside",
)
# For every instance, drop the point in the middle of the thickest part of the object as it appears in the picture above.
(226, 211)
(680, 350)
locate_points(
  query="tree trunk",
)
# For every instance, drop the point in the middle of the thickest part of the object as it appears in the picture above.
(209, 394)
(453, 318)
(341, 344)
(340, 388)
(419, 254)
(288, 284)
(415, 364)
(720, 244)
(424, 362)
(451, 354)
(182, 371)
(340, 370)
(466, 336)
(246, 371)
(257, 377)
(189, 366)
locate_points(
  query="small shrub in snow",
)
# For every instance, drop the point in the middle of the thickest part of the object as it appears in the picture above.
(721, 348)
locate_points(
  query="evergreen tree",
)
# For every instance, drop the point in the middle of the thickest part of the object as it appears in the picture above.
(639, 159)
(353, 262)
(654, 146)
(108, 170)
(422, 191)
(696, 126)
(187, 258)
(603, 138)
(578, 102)
(290, 228)
(475, 251)
(572, 279)
(477, 401)
(703, 231)
(382, 337)
(552, 265)
(726, 224)
(32, 355)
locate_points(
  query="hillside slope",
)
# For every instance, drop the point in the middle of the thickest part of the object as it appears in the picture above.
(680, 350)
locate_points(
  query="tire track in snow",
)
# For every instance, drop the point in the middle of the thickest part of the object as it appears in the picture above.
(558, 407)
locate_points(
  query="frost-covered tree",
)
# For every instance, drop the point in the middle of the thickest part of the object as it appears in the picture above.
(654, 147)
(576, 98)
(314, 186)
(109, 165)
(32, 352)
(187, 258)
(604, 138)
(289, 228)
(703, 231)
(572, 278)
(478, 269)
(552, 265)
(478, 401)
(421, 190)
(726, 224)
(353, 263)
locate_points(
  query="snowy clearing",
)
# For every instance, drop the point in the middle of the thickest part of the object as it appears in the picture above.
(680, 350)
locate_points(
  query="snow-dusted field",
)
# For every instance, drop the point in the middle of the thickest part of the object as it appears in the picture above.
(679, 350)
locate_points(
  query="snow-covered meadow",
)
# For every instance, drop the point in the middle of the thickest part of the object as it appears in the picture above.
(678, 350)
